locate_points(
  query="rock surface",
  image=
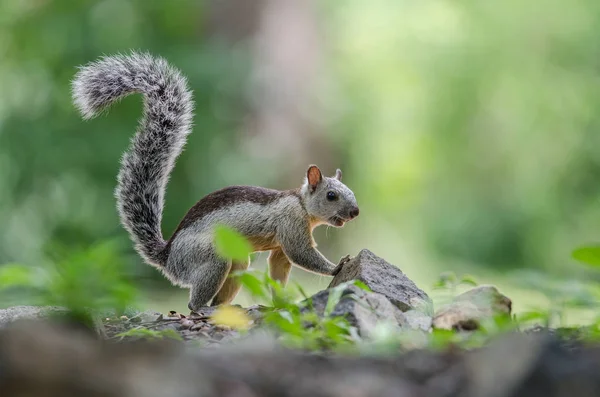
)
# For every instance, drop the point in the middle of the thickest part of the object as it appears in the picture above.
(418, 320)
(39, 358)
(52, 361)
(364, 310)
(468, 309)
(193, 327)
(11, 314)
(385, 279)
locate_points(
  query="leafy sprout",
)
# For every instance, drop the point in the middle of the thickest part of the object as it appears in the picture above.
(590, 255)
(150, 334)
(80, 280)
(297, 323)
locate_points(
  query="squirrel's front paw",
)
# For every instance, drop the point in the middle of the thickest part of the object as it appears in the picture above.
(341, 264)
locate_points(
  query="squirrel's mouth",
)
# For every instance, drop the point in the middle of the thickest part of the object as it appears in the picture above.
(337, 221)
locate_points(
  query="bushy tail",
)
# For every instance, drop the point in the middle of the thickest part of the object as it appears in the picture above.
(159, 139)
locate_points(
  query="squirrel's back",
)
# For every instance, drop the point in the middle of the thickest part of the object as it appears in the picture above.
(159, 139)
(251, 210)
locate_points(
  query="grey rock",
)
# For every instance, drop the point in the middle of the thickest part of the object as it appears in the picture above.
(205, 311)
(12, 314)
(467, 310)
(364, 310)
(28, 313)
(418, 320)
(385, 279)
(147, 316)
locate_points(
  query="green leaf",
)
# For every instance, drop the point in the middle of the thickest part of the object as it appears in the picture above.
(231, 244)
(14, 275)
(441, 338)
(150, 334)
(533, 315)
(448, 277)
(333, 299)
(285, 323)
(469, 280)
(301, 290)
(439, 285)
(287, 316)
(90, 277)
(253, 284)
(361, 285)
(445, 280)
(336, 329)
(589, 255)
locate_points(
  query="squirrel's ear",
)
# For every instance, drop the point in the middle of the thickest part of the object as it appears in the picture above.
(313, 177)
(338, 175)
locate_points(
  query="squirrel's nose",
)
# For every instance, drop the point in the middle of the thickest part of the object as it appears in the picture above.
(354, 212)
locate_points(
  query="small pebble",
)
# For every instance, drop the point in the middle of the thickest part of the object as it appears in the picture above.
(185, 323)
(197, 326)
(222, 327)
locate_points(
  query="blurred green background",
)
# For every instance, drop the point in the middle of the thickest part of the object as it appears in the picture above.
(469, 131)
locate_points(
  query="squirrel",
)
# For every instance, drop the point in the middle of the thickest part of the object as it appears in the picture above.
(277, 221)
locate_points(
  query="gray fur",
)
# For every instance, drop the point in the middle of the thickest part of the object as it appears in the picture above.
(272, 220)
(160, 137)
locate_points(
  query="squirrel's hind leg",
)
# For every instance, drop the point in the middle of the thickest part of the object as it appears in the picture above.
(279, 266)
(231, 286)
(206, 280)
(194, 263)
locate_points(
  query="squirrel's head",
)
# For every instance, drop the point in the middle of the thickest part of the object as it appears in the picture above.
(327, 198)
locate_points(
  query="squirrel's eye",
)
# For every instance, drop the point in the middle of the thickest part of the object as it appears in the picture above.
(331, 196)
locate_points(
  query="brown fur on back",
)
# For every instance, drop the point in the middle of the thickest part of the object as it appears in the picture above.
(225, 197)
